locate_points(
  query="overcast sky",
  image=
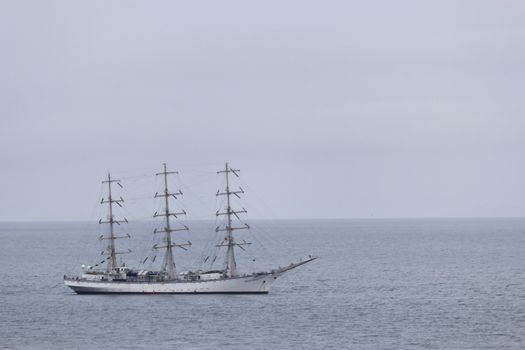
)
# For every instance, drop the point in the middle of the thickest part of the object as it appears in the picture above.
(332, 109)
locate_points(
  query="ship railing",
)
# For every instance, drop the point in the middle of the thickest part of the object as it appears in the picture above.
(71, 277)
(145, 278)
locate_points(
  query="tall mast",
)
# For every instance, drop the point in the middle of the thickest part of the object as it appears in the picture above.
(231, 266)
(169, 263)
(110, 250)
(229, 242)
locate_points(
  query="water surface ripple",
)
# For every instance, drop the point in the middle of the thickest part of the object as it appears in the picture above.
(379, 284)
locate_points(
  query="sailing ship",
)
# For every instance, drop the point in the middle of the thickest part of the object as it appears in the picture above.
(119, 278)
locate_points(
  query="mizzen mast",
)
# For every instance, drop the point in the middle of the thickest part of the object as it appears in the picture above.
(229, 242)
(169, 263)
(110, 250)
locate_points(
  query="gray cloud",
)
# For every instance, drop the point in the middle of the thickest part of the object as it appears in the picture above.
(332, 109)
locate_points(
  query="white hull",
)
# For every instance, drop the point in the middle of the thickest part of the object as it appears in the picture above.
(259, 284)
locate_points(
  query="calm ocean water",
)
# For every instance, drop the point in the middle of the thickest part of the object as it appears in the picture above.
(379, 284)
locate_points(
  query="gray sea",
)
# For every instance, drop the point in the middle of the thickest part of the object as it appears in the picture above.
(378, 284)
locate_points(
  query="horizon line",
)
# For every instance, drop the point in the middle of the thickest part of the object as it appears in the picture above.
(292, 219)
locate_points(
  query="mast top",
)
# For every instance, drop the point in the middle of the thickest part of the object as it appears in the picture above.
(228, 169)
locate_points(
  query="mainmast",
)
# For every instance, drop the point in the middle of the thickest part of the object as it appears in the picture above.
(229, 242)
(169, 263)
(110, 250)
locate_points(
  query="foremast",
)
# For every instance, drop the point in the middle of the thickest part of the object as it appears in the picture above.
(110, 249)
(229, 241)
(168, 245)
